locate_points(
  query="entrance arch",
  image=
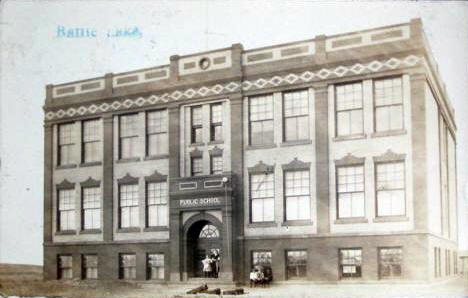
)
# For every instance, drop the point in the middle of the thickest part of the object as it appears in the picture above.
(203, 235)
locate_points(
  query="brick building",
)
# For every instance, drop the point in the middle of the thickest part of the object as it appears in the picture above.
(327, 159)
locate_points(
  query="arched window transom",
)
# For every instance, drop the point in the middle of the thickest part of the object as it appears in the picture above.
(209, 231)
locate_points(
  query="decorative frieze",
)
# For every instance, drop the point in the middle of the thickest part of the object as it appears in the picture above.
(235, 86)
(90, 182)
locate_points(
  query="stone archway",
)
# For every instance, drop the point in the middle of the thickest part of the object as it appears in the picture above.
(202, 235)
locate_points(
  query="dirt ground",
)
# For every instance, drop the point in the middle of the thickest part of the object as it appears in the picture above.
(19, 280)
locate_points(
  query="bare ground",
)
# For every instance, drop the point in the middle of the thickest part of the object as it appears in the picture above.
(26, 280)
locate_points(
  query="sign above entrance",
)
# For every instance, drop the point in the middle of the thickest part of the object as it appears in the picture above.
(198, 202)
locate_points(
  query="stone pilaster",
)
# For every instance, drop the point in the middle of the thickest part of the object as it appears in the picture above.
(48, 187)
(419, 152)
(176, 250)
(108, 177)
(237, 147)
(322, 158)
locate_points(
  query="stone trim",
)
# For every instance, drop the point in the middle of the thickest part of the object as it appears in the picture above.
(91, 231)
(389, 156)
(296, 164)
(156, 177)
(65, 184)
(196, 153)
(156, 229)
(90, 182)
(156, 157)
(289, 223)
(216, 151)
(391, 218)
(62, 167)
(351, 220)
(261, 168)
(129, 230)
(91, 164)
(127, 179)
(65, 232)
(388, 133)
(127, 160)
(350, 160)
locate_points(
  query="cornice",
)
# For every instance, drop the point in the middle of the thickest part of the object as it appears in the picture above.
(289, 79)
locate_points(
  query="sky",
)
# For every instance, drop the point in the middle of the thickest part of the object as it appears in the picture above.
(33, 55)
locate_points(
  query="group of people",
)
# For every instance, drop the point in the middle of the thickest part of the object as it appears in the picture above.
(260, 276)
(211, 265)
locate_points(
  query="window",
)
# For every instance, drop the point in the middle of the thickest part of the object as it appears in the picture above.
(262, 197)
(349, 109)
(350, 191)
(390, 262)
(296, 264)
(262, 258)
(209, 231)
(128, 136)
(65, 144)
(296, 115)
(127, 266)
(157, 212)
(128, 205)
(261, 120)
(216, 165)
(388, 104)
(64, 267)
(66, 207)
(390, 189)
(216, 125)
(297, 194)
(90, 267)
(350, 262)
(155, 266)
(197, 124)
(156, 133)
(91, 141)
(197, 166)
(91, 208)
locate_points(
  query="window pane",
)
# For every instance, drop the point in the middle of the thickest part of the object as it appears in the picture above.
(396, 117)
(128, 147)
(257, 210)
(292, 208)
(356, 121)
(216, 113)
(197, 116)
(197, 166)
(268, 209)
(156, 122)
(156, 266)
(216, 165)
(290, 129)
(350, 189)
(261, 108)
(128, 205)
(267, 132)
(349, 96)
(350, 262)
(66, 206)
(343, 123)
(157, 144)
(261, 258)
(390, 262)
(91, 130)
(129, 125)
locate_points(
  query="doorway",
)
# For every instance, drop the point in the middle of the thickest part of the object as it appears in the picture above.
(204, 239)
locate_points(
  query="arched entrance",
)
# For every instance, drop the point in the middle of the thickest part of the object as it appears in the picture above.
(203, 238)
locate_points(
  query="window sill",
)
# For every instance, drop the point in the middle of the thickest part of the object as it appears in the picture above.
(255, 147)
(61, 167)
(156, 229)
(295, 143)
(265, 224)
(216, 142)
(197, 144)
(66, 232)
(391, 218)
(129, 230)
(90, 164)
(388, 133)
(351, 220)
(155, 157)
(349, 138)
(91, 231)
(297, 223)
(127, 160)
